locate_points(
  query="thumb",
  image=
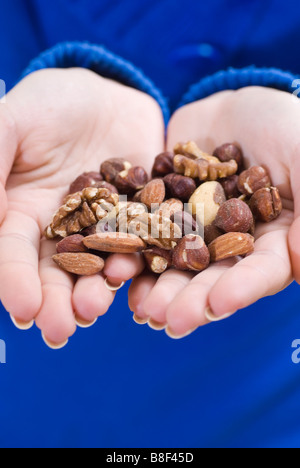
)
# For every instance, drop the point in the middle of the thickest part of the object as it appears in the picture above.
(8, 148)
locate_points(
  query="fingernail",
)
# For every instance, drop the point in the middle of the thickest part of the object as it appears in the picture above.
(156, 325)
(139, 320)
(213, 318)
(83, 323)
(22, 325)
(172, 335)
(111, 287)
(52, 345)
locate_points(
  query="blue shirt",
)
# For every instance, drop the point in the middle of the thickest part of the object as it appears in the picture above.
(231, 384)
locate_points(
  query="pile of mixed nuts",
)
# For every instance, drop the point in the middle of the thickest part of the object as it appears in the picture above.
(196, 209)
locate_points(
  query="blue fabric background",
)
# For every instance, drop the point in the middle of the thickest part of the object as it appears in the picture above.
(231, 384)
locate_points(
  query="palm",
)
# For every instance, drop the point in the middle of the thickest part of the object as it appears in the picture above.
(263, 122)
(67, 122)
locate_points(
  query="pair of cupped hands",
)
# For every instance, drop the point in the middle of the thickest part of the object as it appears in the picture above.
(56, 124)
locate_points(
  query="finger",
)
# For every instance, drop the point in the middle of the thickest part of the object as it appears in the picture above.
(91, 298)
(138, 291)
(120, 268)
(261, 274)
(187, 310)
(56, 317)
(8, 145)
(20, 286)
(294, 246)
(294, 233)
(167, 287)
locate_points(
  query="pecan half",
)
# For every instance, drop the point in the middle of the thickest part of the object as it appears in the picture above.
(203, 169)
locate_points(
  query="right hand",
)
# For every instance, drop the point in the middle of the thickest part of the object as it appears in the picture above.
(55, 125)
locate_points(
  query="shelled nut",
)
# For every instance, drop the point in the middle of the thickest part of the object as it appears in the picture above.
(71, 244)
(191, 254)
(253, 179)
(114, 243)
(163, 165)
(169, 207)
(179, 186)
(231, 245)
(234, 216)
(266, 204)
(112, 167)
(154, 193)
(87, 179)
(186, 223)
(211, 233)
(206, 201)
(82, 264)
(131, 180)
(230, 186)
(203, 169)
(228, 152)
(158, 260)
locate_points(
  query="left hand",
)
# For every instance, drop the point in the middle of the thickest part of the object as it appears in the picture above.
(266, 123)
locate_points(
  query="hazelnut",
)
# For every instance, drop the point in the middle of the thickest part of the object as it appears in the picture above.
(158, 260)
(131, 180)
(180, 186)
(211, 233)
(137, 197)
(71, 244)
(87, 179)
(206, 201)
(266, 204)
(107, 186)
(230, 186)
(191, 254)
(186, 222)
(230, 151)
(163, 165)
(112, 167)
(234, 216)
(253, 179)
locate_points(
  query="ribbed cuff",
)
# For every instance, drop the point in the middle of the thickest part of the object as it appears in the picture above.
(101, 61)
(234, 79)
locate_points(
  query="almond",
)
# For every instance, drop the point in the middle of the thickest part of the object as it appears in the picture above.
(82, 264)
(71, 244)
(231, 245)
(115, 242)
(154, 193)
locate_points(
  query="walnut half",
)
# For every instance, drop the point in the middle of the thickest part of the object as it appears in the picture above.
(81, 210)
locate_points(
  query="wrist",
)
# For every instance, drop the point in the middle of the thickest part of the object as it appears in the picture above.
(101, 61)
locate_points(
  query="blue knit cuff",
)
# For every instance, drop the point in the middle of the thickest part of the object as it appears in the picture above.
(234, 79)
(101, 61)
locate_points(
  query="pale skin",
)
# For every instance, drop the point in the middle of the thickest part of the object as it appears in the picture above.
(57, 124)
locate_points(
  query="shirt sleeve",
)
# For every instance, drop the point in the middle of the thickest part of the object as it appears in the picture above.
(101, 61)
(234, 79)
